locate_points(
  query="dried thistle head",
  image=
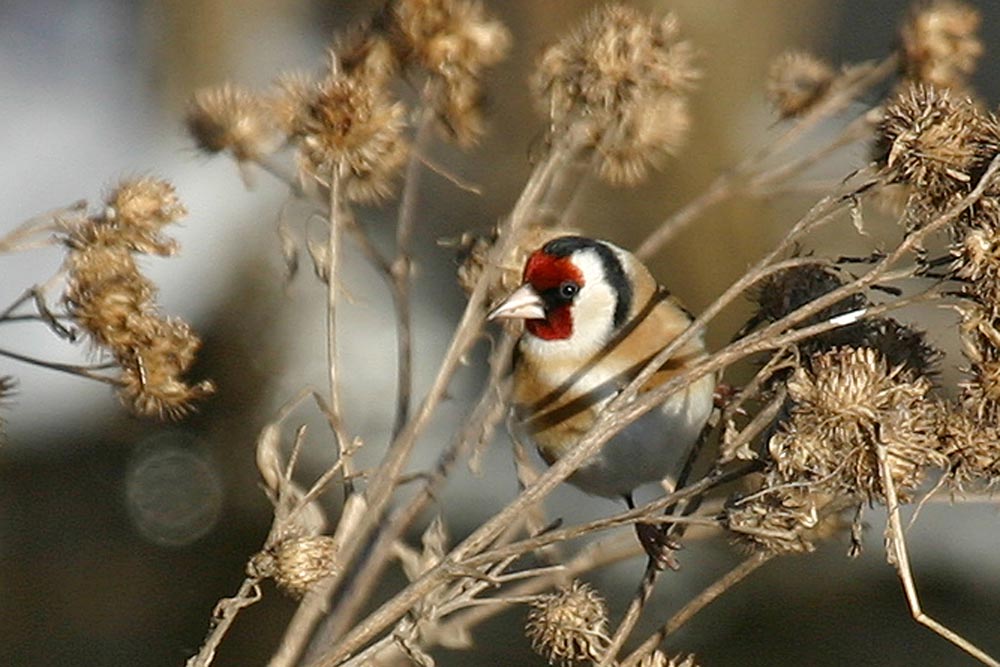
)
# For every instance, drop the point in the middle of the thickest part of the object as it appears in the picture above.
(972, 446)
(934, 141)
(621, 78)
(796, 81)
(454, 42)
(777, 518)
(114, 303)
(135, 212)
(941, 44)
(349, 126)
(152, 371)
(569, 626)
(783, 292)
(296, 562)
(230, 118)
(846, 403)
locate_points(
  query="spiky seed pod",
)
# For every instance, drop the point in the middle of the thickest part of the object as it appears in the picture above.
(473, 253)
(783, 292)
(230, 118)
(796, 81)
(972, 446)
(152, 370)
(347, 124)
(454, 42)
(934, 141)
(569, 626)
(114, 303)
(620, 78)
(941, 44)
(844, 404)
(778, 518)
(135, 212)
(298, 563)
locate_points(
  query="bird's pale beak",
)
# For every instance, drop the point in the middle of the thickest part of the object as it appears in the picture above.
(523, 304)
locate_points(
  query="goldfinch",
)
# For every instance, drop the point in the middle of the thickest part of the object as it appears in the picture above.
(593, 317)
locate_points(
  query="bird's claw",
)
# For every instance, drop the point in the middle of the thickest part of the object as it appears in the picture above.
(659, 546)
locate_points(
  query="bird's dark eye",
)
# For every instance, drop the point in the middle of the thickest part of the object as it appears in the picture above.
(568, 289)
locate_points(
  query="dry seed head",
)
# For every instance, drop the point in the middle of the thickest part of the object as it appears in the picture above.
(981, 391)
(230, 118)
(643, 139)
(152, 370)
(107, 296)
(621, 77)
(796, 81)
(972, 447)
(299, 563)
(569, 626)
(934, 141)
(848, 401)
(145, 202)
(779, 518)
(941, 43)
(347, 124)
(454, 42)
(442, 36)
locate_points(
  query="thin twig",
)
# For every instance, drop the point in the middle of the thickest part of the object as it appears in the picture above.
(702, 600)
(222, 619)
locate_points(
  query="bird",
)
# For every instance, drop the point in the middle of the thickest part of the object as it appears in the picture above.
(593, 317)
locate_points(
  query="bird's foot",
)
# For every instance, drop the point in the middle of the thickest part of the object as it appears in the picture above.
(723, 394)
(658, 545)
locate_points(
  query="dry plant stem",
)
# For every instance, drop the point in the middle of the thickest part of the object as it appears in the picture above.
(632, 614)
(702, 600)
(88, 372)
(336, 214)
(222, 618)
(401, 273)
(23, 236)
(896, 544)
(626, 407)
(383, 483)
(730, 182)
(481, 423)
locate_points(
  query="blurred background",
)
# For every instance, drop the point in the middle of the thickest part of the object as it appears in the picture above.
(118, 536)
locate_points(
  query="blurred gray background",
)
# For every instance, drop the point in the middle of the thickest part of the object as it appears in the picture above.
(117, 536)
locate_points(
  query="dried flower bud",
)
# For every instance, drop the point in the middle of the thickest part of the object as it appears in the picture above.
(229, 118)
(972, 446)
(299, 563)
(454, 42)
(569, 626)
(347, 124)
(796, 81)
(845, 404)
(935, 142)
(779, 518)
(620, 77)
(152, 372)
(941, 43)
(115, 304)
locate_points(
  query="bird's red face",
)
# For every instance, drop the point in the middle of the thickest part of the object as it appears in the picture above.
(557, 281)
